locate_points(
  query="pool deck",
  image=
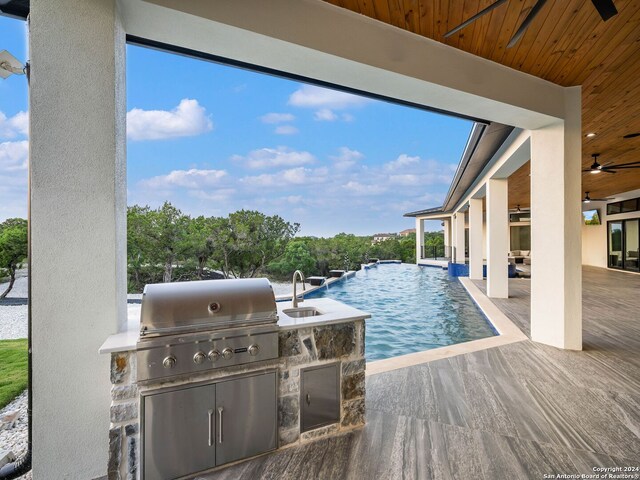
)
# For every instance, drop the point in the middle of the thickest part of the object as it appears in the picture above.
(515, 411)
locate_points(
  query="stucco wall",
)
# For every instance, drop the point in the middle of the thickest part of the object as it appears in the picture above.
(77, 214)
(594, 245)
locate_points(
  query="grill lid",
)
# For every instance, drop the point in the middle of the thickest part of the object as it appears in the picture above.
(169, 308)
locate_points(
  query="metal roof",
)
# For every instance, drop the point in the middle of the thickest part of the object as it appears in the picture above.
(484, 141)
(428, 211)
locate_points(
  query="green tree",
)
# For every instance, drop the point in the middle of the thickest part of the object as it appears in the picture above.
(296, 257)
(199, 242)
(13, 248)
(254, 240)
(157, 241)
(169, 230)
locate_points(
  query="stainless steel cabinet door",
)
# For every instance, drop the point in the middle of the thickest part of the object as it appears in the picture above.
(246, 417)
(319, 396)
(179, 432)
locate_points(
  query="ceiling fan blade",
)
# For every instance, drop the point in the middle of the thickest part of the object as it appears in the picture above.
(607, 171)
(616, 167)
(532, 14)
(474, 18)
(623, 164)
(605, 8)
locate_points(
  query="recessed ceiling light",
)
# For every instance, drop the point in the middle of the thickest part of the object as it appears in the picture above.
(632, 135)
(591, 134)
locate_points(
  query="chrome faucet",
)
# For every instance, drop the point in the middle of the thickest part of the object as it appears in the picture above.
(294, 301)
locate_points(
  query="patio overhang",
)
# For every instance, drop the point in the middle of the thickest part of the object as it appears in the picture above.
(77, 159)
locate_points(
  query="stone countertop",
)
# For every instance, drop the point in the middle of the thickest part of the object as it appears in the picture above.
(332, 312)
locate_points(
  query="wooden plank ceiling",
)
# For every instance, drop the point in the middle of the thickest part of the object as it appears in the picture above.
(568, 44)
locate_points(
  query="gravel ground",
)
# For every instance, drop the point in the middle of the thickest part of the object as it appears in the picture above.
(13, 309)
(13, 324)
(15, 439)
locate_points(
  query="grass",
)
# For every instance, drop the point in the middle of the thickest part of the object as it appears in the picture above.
(13, 369)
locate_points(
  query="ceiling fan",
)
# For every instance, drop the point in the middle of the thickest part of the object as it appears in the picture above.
(605, 8)
(596, 167)
(588, 199)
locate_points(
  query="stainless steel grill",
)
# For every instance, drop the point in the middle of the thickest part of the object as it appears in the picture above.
(191, 327)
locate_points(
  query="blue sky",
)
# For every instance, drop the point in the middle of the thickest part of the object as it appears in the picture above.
(213, 139)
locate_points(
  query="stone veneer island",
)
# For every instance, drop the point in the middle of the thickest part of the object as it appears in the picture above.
(335, 338)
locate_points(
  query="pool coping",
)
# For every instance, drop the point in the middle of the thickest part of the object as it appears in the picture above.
(508, 332)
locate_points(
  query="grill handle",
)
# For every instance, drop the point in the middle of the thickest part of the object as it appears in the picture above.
(220, 410)
(210, 412)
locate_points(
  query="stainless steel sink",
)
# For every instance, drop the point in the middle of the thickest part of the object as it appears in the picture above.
(302, 312)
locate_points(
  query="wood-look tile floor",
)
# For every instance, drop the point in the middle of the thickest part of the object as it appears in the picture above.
(517, 411)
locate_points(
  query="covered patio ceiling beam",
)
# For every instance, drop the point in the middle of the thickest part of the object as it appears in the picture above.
(292, 36)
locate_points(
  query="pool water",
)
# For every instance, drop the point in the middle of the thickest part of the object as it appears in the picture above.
(412, 309)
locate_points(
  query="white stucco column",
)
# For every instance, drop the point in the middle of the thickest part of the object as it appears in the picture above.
(77, 216)
(447, 232)
(419, 238)
(475, 239)
(458, 237)
(497, 238)
(556, 247)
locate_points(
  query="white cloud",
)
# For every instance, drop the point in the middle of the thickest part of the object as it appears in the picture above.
(360, 189)
(14, 156)
(186, 120)
(402, 161)
(272, 118)
(286, 130)
(217, 195)
(310, 96)
(274, 157)
(346, 158)
(325, 115)
(11, 127)
(347, 117)
(193, 179)
(284, 178)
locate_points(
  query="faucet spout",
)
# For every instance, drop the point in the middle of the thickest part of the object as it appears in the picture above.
(295, 300)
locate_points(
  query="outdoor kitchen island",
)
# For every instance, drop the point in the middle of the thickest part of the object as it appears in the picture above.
(312, 386)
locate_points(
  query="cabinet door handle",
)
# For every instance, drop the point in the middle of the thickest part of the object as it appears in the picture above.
(220, 410)
(210, 412)
(308, 399)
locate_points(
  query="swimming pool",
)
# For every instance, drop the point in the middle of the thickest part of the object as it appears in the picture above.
(412, 309)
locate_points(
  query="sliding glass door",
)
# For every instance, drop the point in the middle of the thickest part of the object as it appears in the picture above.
(631, 241)
(615, 245)
(624, 244)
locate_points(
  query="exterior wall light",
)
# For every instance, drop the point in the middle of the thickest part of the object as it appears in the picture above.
(10, 65)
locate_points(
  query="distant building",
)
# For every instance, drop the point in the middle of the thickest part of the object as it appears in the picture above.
(408, 232)
(381, 237)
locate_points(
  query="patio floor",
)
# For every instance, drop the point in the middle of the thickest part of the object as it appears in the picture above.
(516, 411)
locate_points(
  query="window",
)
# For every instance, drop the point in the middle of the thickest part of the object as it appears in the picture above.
(521, 237)
(625, 206)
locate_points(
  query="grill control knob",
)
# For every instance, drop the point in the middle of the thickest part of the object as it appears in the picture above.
(169, 362)
(227, 353)
(214, 355)
(253, 350)
(199, 357)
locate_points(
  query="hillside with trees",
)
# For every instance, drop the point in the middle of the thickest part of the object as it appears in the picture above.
(166, 245)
